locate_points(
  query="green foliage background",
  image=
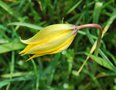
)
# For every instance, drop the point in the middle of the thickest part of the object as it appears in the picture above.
(23, 18)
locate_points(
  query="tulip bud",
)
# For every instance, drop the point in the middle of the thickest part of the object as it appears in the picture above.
(50, 40)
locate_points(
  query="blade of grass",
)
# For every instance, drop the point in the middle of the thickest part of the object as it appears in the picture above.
(9, 10)
(6, 8)
(97, 9)
(11, 68)
(102, 62)
(110, 21)
(17, 74)
(105, 57)
(23, 78)
(71, 9)
(36, 74)
(26, 25)
(15, 45)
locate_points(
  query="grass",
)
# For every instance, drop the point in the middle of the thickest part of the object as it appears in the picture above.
(24, 18)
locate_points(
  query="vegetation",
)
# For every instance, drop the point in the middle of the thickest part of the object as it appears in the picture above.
(62, 71)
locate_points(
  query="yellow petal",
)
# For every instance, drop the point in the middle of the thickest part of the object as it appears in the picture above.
(26, 49)
(45, 33)
(44, 41)
(53, 43)
(33, 56)
(61, 47)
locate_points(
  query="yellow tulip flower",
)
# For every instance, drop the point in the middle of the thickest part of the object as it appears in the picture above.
(54, 39)
(50, 40)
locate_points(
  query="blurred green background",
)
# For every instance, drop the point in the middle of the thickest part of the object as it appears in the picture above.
(24, 18)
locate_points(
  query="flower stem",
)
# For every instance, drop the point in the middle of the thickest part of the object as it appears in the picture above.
(89, 26)
(98, 41)
(100, 33)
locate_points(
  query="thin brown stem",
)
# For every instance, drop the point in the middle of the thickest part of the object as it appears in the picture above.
(93, 26)
(89, 26)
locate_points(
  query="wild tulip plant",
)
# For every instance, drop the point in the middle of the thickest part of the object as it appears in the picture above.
(54, 39)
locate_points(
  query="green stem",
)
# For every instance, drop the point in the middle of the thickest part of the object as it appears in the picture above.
(36, 74)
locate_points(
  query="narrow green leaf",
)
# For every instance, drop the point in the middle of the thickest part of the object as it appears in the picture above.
(26, 25)
(9, 10)
(23, 78)
(110, 21)
(71, 9)
(105, 57)
(97, 9)
(103, 62)
(15, 45)
(6, 7)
